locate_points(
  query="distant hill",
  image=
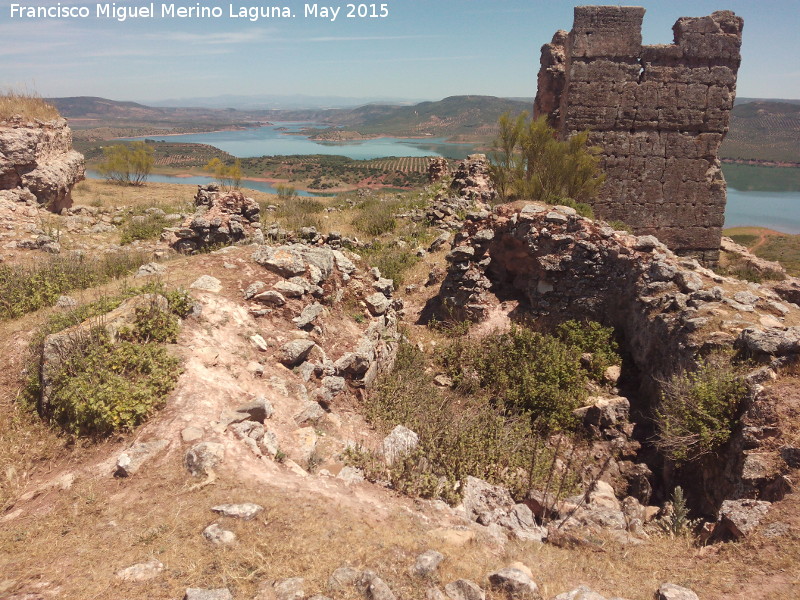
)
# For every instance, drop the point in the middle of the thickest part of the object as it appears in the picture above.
(456, 117)
(760, 130)
(764, 130)
(114, 113)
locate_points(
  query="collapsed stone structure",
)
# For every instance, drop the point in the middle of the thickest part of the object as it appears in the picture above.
(220, 218)
(658, 112)
(37, 162)
(551, 264)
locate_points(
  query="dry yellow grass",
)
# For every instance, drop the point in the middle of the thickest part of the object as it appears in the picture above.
(26, 104)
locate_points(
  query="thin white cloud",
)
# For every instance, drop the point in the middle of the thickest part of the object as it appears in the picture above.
(404, 59)
(367, 38)
(223, 38)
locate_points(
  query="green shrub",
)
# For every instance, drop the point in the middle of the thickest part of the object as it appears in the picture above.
(697, 411)
(25, 289)
(296, 212)
(104, 386)
(458, 436)
(392, 261)
(524, 371)
(146, 227)
(591, 337)
(529, 163)
(127, 164)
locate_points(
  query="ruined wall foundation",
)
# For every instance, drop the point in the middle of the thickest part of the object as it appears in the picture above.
(659, 114)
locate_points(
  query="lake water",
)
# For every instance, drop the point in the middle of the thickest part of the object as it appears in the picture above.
(757, 196)
(274, 141)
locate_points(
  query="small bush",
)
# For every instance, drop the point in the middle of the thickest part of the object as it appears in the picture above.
(143, 227)
(392, 261)
(697, 411)
(676, 522)
(530, 163)
(524, 371)
(104, 387)
(458, 436)
(25, 289)
(620, 226)
(127, 164)
(296, 212)
(591, 337)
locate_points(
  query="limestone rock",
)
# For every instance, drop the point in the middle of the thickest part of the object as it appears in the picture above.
(580, 593)
(343, 577)
(377, 303)
(37, 159)
(771, 341)
(485, 503)
(247, 511)
(141, 571)
(400, 441)
(427, 563)
(207, 594)
(207, 283)
(294, 352)
(286, 261)
(132, 459)
(464, 589)
(201, 458)
(739, 518)
(309, 315)
(670, 591)
(515, 583)
(218, 536)
(289, 589)
(270, 298)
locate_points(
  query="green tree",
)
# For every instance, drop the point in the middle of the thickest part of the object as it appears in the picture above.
(528, 162)
(127, 164)
(228, 176)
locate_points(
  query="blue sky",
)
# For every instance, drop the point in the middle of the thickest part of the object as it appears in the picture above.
(423, 49)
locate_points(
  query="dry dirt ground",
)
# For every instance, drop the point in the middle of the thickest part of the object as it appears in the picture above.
(67, 525)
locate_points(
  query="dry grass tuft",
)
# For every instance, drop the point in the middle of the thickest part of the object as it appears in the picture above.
(27, 104)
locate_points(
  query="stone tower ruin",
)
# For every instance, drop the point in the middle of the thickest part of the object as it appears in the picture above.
(658, 113)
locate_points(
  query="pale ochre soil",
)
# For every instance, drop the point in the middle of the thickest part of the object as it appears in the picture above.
(66, 540)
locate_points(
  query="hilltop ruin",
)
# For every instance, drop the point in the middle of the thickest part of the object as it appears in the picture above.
(658, 112)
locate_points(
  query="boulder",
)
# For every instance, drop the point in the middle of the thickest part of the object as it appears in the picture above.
(739, 518)
(427, 563)
(286, 261)
(218, 536)
(670, 591)
(293, 353)
(515, 583)
(464, 589)
(201, 458)
(132, 459)
(398, 443)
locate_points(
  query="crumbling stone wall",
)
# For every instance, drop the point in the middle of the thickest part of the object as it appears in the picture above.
(659, 114)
